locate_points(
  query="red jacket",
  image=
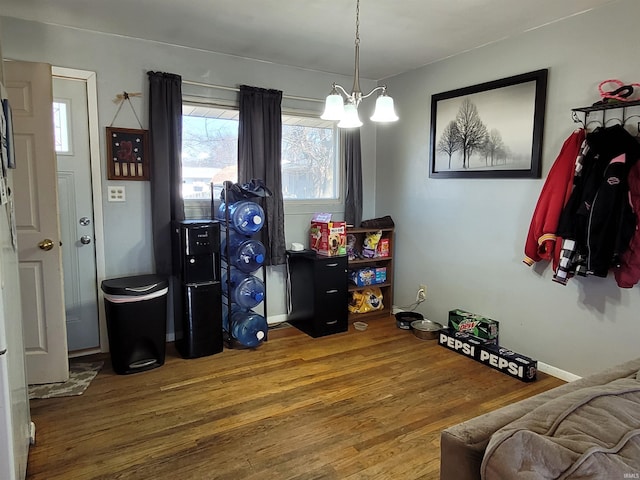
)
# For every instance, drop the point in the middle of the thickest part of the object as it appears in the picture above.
(628, 273)
(542, 242)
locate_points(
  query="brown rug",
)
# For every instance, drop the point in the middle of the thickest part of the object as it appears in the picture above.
(80, 376)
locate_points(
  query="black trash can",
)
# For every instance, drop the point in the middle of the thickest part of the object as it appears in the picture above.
(136, 310)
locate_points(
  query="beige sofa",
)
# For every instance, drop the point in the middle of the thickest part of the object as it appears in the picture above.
(463, 446)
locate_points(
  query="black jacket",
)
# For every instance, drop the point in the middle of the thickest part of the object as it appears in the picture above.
(598, 215)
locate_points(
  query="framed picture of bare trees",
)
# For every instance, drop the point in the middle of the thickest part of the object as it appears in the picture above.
(490, 130)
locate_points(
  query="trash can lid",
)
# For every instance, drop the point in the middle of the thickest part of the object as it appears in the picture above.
(134, 286)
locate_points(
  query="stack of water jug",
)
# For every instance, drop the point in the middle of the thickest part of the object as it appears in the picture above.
(244, 256)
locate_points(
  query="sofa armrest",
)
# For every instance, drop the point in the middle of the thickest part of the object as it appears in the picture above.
(462, 446)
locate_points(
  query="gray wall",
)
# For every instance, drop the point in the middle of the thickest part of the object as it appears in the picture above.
(121, 65)
(467, 235)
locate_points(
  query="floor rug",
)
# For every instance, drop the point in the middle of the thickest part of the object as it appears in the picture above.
(80, 376)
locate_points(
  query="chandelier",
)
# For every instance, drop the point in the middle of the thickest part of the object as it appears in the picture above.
(346, 109)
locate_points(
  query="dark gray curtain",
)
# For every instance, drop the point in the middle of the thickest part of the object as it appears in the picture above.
(259, 152)
(350, 146)
(165, 134)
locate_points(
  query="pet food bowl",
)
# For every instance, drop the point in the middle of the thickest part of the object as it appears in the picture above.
(404, 319)
(360, 325)
(425, 329)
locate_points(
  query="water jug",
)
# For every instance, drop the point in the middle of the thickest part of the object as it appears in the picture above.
(244, 253)
(247, 327)
(246, 291)
(245, 217)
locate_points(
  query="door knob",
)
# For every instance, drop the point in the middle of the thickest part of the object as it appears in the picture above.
(85, 239)
(46, 244)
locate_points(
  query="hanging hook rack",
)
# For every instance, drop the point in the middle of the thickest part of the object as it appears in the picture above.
(576, 118)
(603, 107)
(630, 117)
(637, 124)
(614, 119)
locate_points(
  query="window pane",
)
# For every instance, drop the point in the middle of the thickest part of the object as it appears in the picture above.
(309, 165)
(209, 150)
(61, 126)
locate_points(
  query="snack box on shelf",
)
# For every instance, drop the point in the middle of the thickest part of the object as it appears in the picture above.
(327, 237)
(368, 276)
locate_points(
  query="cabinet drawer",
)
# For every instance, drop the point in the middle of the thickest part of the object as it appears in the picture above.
(332, 324)
(331, 300)
(331, 273)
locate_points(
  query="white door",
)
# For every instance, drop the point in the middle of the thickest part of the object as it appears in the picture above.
(40, 260)
(76, 213)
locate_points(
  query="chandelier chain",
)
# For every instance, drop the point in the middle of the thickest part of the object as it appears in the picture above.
(358, 22)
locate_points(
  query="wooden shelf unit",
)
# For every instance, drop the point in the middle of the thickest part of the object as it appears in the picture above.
(386, 287)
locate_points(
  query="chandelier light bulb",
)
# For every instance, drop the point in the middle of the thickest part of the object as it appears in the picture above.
(333, 107)
(384, 111)
(351, 118)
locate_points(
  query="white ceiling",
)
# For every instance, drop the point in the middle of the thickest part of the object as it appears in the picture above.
(396, 36)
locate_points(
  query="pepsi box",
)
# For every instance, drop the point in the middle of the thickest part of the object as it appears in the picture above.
(508, 362)
(478, 325)
(462, 343)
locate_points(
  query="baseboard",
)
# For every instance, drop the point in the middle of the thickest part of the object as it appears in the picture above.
(275, 319)
(556, 372)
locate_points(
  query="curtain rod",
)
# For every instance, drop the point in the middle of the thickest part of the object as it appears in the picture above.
(236, 89)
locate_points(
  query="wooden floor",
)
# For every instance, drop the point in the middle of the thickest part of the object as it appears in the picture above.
(358, 405)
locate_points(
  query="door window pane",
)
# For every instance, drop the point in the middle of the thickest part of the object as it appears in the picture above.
(61, 126)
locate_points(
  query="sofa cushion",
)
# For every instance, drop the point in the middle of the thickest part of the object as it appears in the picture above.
(462, 446)
(591, 433)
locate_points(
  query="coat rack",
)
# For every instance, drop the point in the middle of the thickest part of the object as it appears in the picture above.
(604, 107)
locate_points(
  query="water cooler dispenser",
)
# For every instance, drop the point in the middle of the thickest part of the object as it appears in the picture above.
(198, 319)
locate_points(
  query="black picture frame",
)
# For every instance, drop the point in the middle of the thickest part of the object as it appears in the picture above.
(501, 123)
(127, 154)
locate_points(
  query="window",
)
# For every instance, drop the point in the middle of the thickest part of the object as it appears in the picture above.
(310, 164)
(209, 149)
(61, 128)
(309, 160)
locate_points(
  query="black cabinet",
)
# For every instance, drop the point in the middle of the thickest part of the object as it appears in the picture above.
(317, 293)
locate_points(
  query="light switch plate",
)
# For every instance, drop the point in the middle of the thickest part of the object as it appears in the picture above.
(116, 193)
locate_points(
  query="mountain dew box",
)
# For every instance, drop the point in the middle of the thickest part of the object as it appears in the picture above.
(474, 324)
